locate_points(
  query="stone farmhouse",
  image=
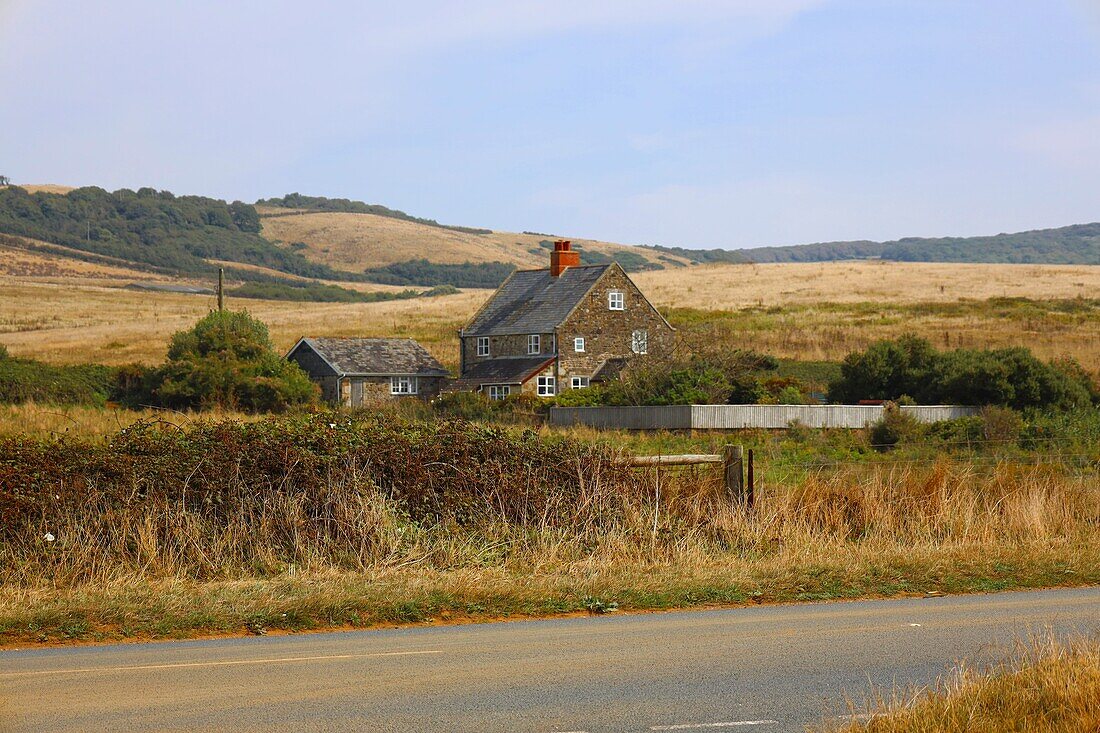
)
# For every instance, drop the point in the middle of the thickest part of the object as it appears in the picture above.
(566, 327)
(361, 371)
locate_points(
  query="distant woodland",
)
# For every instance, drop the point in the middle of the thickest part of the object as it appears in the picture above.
(320, 203)
(1071, 245)
(175, 234)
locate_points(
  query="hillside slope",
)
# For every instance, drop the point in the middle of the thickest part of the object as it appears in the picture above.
(354, 242)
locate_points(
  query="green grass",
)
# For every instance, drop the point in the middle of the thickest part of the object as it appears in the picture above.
(181, 609)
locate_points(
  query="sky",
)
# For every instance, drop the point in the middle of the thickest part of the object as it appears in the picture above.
(694, 123)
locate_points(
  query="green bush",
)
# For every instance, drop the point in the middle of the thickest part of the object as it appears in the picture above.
(227, 360)
(27, 380)
(463, 405)
(888, 370)
(895, 427)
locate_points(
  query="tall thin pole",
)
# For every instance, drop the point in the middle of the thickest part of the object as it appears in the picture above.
(221, 288)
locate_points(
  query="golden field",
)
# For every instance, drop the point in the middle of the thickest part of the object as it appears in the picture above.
(355, 242)
(724, 287)
(817, 311)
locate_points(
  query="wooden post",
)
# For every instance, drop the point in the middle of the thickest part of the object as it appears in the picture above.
(733, 472)
(221, 288)
(751, 496)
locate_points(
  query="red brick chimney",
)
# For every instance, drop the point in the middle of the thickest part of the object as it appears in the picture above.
(563, 257)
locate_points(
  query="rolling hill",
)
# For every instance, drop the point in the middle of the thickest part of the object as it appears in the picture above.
(294, 239)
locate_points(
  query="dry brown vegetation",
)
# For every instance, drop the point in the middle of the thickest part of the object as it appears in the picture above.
(73, 320)
(273, 552)
(70, 322)
(357, 241)
(1053, 686)
(729, 287)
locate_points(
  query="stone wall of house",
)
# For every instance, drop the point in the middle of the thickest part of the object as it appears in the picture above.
(318, 370)
(360, 391)
(608, 334)
(506, 346)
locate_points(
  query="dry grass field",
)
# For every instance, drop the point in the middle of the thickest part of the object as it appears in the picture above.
(801, 311)
(357, 241)
(726, 287)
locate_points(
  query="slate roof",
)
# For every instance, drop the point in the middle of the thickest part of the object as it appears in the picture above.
(531, 301)
(505, 370)
(363, 356)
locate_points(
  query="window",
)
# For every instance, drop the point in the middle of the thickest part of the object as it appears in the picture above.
(615, 301)
(499, 391)
(578, 345)
(403, 385)
(482, 345)
(534, 344)
(639, 342)
(578, 382)
(546, 387)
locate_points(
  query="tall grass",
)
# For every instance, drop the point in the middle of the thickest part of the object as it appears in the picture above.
(230, 501)
(1052, 686)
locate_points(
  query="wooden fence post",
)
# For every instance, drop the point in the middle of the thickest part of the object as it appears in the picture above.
(751, 495)
(733, 472)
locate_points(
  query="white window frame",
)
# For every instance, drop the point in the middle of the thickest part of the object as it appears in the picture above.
(404, 385)
(639, 341)
(547, 386)
(483, 346)
(498, 391)
(534, 344)
(616, 300)
(578, 382)
(578, 344)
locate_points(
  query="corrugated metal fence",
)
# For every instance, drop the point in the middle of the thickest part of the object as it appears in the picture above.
(735, 417)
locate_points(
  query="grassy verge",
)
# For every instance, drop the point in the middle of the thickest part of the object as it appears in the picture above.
(320, 521)
(1052, 686)
(140, 609)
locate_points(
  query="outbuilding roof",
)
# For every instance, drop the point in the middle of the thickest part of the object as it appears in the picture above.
(504, 370)
(374, 356)
(532, 301)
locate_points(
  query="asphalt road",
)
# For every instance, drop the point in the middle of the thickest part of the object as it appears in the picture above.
(768, 668)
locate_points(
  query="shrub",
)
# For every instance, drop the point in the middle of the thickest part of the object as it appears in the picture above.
(463, 405)
(27, 380)
(1007, 377)
(227, 360)
(895, 427)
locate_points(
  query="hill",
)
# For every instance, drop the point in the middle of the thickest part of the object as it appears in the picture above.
(1071, 245)
(279, 240)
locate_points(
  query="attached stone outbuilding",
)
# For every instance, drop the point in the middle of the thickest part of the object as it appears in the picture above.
(362, 371)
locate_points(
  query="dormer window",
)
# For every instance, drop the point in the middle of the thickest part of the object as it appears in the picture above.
(616, 301)
(534, 344)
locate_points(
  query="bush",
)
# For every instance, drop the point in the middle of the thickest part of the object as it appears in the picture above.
(895, 427)
(1013, 377)
(227, 360)
(463, 405)
(704, 378)
(27, 380)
